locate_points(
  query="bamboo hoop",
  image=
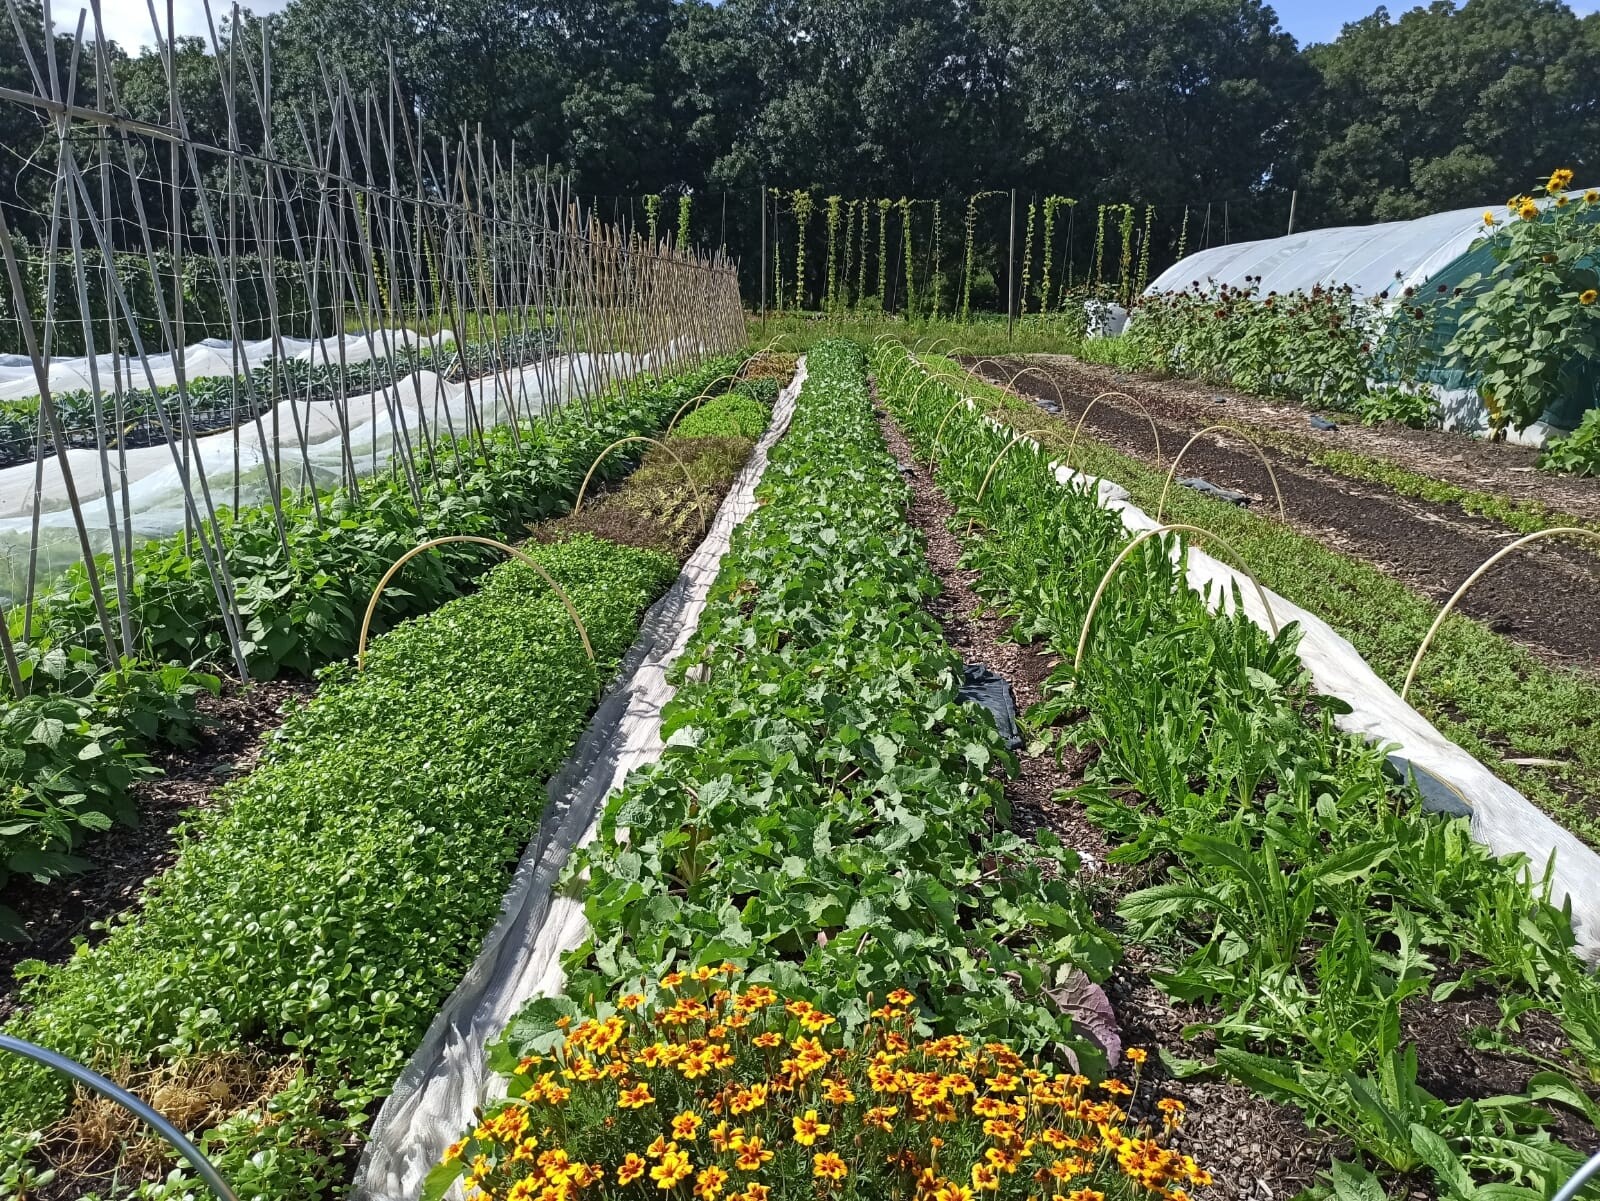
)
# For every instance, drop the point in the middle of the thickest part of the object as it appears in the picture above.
(1039, 371)
(1272, 475)
(1099, 593)
(696, 401)
(929, 378)
(998, 365)
(988, 475)
(938, 437)
(588, 475)
(522, 556)
(1084, 416)
(955, 347)
(1472, 579)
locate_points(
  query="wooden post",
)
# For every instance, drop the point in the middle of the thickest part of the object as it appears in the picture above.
(1011, 270)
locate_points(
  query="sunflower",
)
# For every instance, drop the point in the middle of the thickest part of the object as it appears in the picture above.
(1588, 297)
(1529, 211)
(1560, 178)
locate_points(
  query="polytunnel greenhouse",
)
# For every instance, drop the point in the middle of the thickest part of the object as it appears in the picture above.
(1391, 260)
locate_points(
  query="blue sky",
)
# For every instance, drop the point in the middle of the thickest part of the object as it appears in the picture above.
(1320, 20)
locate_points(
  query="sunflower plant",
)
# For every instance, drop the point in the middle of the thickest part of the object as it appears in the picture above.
(1526, 320)
(717, 1092)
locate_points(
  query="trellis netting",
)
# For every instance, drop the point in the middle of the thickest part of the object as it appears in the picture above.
(1382, 262)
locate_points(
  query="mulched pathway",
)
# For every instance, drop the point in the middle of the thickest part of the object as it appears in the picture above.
(1429, 546)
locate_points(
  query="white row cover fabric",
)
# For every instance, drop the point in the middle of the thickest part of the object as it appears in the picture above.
(155, 493)
(1502, 819)
(447, 1078)
(1365, 257)
(210, 357)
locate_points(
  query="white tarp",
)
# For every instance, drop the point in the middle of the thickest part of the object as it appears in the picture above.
(1502, 819)
(447, 1078)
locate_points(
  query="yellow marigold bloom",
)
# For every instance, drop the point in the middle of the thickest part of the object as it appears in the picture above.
(752, 1154)
(951, 1191)
(900, 997)
(985, 1179)
(1116, 1088)
(1137, 1055)
(769, 1039)
(672, 979)
(686, 1126)
(636, 1097)
(631, 1001)
(522, 1190)
(1589, 296)
(808, 1129)
(673, 1168)
(878, 1117)
(958, 1084)
(708, 1185)
(838, 1093)
(1529, 211)
(755, 1192)
(660, 1147)
(454, 1150)
(1004, 1159)
(630, 1169)
(1086, 1194)
(828, 1166)
(722, 1138)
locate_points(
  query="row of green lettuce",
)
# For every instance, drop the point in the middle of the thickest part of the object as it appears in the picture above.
(828, 811)
(72, 745)
(1296, 891)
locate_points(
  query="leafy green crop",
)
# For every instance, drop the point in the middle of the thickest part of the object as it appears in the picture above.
(1305, 893)
(324, 912)
(826, 809)
(742, 413)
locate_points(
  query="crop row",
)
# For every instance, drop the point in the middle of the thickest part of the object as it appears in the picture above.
(70, 747)
(1294, 889)
(216, 402)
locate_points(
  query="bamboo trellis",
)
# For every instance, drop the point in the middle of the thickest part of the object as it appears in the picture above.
(377, 296)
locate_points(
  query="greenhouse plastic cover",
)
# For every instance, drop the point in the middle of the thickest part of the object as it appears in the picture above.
(1364, 257)
(1502, 819)
(376, 420)
(448, 1077)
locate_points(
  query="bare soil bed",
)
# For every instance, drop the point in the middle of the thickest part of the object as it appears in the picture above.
(1431, 547)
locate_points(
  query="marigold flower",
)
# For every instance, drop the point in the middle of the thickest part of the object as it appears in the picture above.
(808, 1129)
(630, 1169)
(709, 1183)
(985, 1178)
(673, 1168)
(769, 1039)
(631, 1001)
(686, 1126)
(660, 1147)
(1086, 1194)
(755, 1192)
(1137, 1055)
(752, 1154)
(878, 1117)
(828, 1166)
(636, 1097)
(454, 1150)
(900, 997)
(951, 1191)
(672, 979)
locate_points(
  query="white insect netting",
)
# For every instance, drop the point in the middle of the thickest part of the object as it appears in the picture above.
(303, 443)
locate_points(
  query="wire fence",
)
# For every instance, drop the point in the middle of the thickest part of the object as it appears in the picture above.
(188, 329)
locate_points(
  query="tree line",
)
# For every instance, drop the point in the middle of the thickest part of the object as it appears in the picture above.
(1204, 105)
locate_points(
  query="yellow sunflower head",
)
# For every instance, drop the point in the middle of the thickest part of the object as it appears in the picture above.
(1488, 217)
(1529, 210)
(1560, 178)
(1588, 297)
(1592, 196)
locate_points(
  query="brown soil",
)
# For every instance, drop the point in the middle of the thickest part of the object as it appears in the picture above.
(1429, 546)
(1456, 458)
(236, 725)
(1257, 1147)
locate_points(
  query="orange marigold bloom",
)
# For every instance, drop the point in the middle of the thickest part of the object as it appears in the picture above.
(951, 1191)
(631, 1001)
(900, 997)
(1086, 1194)
(755, 1192)
(769, 1039)
(878, 1117)
(454, 1150)
(672, 980)
(686, 1126)
(828, 1166)
(839, 1093)
(808, 1129)
(1137, 1055)
(630, 1169)
(1116, 1088)
(673, 1168)
(722, 1138)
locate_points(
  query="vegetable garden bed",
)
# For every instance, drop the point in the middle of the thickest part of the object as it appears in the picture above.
(1328, 937)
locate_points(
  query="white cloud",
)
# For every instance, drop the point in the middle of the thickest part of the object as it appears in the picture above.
(127, 22)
